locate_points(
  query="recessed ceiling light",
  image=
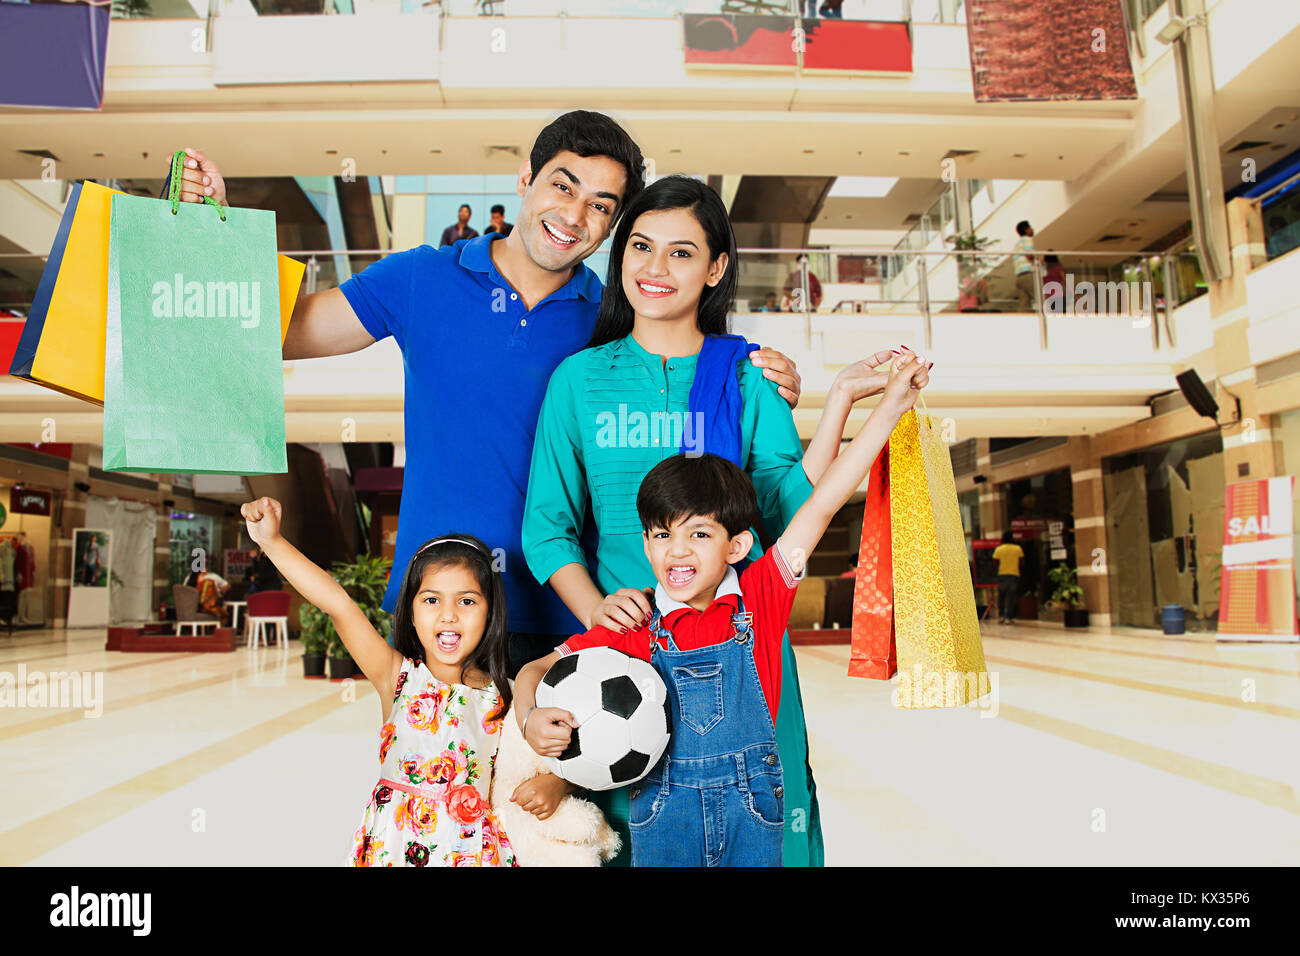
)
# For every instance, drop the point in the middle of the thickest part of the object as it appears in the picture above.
(1017, 155)
(809, 152)
(903, 152)
(97, 155)
(674, 150)
(331, 152)
(438, 151)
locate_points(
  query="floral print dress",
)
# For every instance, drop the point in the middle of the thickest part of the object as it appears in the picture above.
(436, 751)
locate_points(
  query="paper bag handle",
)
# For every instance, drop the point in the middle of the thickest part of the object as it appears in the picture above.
(174, 192)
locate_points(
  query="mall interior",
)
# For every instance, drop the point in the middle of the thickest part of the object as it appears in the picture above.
(875, 186)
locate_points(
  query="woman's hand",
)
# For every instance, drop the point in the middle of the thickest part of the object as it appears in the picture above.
(907, 376)
(542, 794)
(263, 519)
(781, 370)
(201, 178)
(863, 379)
(626, 609)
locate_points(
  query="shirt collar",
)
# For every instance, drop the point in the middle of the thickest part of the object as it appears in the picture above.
(476, 255)
(666, 605)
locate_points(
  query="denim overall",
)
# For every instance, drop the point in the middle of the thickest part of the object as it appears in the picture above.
(715, 798)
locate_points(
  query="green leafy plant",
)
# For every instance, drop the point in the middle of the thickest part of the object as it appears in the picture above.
(365, 580)
(969, 266)
(1065, 586)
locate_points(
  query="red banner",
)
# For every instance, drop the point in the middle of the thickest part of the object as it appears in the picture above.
(1257, 596)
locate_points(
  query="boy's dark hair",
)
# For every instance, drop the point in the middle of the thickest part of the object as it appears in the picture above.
(492, 656)
(1051, 260)
(498, 208)
(1022, 227)
(587, 133)
(1008, 537)
(705, 486)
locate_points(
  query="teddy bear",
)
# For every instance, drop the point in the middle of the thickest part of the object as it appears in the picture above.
(576, 834)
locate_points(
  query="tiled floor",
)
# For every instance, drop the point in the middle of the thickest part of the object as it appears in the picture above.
(1106, 747)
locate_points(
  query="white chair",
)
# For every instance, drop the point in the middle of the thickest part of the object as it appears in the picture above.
(268, 609)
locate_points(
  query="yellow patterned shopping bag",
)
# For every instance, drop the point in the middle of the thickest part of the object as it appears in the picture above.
(940, 655)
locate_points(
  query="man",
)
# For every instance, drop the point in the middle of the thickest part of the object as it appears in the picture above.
(498, 223)
(769, 303)
(1022, 263)
(1008, 555)
(461, 229)
(482, 325)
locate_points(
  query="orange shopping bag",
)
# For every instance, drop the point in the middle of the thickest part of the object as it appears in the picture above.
(872, 652)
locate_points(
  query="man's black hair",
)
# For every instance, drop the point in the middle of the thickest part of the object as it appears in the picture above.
(498, 208)
(704, 486)
(1022, 227)
(588, 133)
(465, 205)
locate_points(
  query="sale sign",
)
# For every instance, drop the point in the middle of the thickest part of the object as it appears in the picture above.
(1257, 597)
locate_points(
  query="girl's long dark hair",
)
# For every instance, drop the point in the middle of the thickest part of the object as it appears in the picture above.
(491, 656)
(616, 317)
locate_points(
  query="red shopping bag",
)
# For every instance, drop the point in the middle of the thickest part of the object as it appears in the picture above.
(873, 652)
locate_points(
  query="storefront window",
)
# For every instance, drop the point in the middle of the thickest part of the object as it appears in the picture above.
(969, 503)
(1040, 513)
(1286, 437)
(190, 531)
(1164, 530)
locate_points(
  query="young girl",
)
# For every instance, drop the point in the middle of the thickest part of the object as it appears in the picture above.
(444, 692)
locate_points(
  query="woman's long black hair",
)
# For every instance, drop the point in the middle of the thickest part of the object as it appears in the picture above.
(492, 655)
(616, 317)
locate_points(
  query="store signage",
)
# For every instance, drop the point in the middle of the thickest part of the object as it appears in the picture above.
(1257, 583)
(26, 501)
(764, 40)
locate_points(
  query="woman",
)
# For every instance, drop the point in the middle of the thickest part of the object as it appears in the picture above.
(630, 400)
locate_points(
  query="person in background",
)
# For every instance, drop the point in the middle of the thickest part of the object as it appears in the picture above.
(262, 575)
(973, 294)
(212, 588)
(853, 571)
(769, 304)
(461, 229)
(498, 223)
(1053, 282)
(1008, 555)
(1022, 262)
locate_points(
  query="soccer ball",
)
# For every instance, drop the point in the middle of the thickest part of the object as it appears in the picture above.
(621, 706)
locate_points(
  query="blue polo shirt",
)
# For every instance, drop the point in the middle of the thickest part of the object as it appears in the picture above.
(476, 365)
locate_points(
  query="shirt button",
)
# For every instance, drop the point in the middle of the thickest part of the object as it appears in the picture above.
(670, 368)
(514, 296)
(523, 321)
(661, 391)
(779, 792)
(636, 792)
(770, 760)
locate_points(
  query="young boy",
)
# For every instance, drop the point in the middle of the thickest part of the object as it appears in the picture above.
(715, 798)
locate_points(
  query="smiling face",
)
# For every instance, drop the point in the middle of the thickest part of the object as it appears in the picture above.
(666, 264)
(568, 210)
(449, 614)
(691, 558)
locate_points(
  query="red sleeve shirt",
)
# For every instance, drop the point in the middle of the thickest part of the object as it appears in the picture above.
(768, 587)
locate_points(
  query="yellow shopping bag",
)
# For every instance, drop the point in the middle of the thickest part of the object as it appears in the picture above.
(69, 353)
(940, 654)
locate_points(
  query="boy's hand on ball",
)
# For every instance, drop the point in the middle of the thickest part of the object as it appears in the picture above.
(263, 519)
(549, 730)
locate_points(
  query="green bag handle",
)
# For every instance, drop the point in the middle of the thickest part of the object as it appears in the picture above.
(174, 193)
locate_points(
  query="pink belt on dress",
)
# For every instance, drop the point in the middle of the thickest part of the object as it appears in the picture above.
(412, 788)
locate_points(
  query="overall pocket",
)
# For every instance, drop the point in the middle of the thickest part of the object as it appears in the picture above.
(699, 689)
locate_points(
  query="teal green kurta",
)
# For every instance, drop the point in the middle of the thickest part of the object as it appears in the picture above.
(612, 413)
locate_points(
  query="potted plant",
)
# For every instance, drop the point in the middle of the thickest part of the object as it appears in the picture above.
(365, 579)
(316, 632)
(1066, 591)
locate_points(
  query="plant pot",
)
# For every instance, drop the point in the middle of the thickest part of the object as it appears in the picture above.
(313, 665)
(1076, 617)
(1027, 607)
(340, 668)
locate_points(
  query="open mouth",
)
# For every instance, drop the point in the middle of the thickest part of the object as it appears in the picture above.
(653, 290)
(680, 575)
(448, 641)
(559, 237)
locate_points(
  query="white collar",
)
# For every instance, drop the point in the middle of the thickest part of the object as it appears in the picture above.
(666, 605)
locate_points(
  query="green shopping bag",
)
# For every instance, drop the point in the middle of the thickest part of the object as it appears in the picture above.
(193, 373)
